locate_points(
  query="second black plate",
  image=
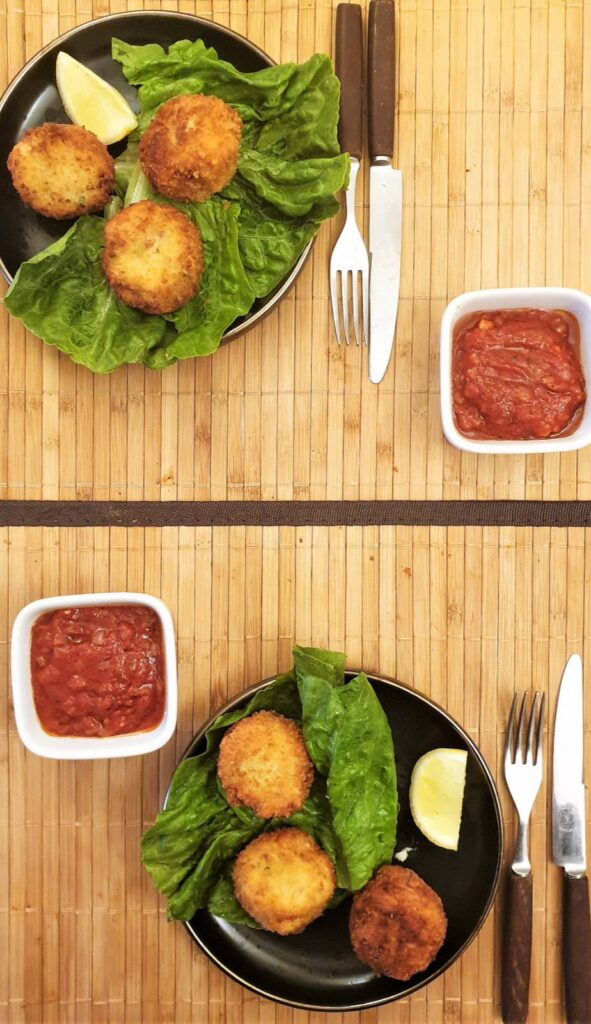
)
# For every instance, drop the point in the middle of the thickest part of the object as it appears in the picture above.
(317, 970)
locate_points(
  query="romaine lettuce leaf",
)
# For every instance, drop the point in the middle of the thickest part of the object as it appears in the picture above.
(62, 296)
(297, 96)
(350, 811)
(348, 737)
(222, 902)
(200, 323)
(361, 782)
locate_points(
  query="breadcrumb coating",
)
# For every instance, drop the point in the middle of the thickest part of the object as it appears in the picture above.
(283, 880)
(190, 148)
(397, 923)
(62, 171)
(152, 257)
(263, 764)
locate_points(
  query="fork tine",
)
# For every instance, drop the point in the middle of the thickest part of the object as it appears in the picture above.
(529, 754)
(540, 729)
(355, 292)
(345, 303)
(510, 736)
(334, 277)
(519, 740)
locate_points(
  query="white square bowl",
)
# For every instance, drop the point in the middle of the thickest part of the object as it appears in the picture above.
(569, 299)
(81, 747)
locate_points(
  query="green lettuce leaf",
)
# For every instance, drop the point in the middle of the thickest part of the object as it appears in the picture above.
(222, 902)
(200, 323)
(194, 812)
(197, 833)
(62, 296)
(269, 241)
(313, 661)
(194, 891)
(350, 811)
(295, 189)
(349, 740)
(295, 96)
(361, 783)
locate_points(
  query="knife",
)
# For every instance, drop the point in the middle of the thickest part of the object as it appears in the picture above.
(568, 842)
(385, 191)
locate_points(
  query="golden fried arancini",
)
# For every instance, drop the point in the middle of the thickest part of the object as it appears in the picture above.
(263, 764)
(62, 171)
(397, 923)
(190, 148)
(153, 257)
(283, 880)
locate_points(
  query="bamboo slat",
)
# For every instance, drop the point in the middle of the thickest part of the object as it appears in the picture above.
(493, 117)
(465, 615)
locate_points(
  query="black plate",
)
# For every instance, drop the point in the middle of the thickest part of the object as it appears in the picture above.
(32, 98)
(317, 969)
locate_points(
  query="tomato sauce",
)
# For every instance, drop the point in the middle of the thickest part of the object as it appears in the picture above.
(98, 671)
(516, 374)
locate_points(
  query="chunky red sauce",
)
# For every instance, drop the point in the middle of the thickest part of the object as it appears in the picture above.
(98, 671)
(516, 374)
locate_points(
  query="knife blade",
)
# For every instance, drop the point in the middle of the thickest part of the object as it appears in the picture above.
(568, 841)
(568, 790)
(385, 191)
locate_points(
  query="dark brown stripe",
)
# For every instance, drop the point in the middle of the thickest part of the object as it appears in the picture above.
(295, 513)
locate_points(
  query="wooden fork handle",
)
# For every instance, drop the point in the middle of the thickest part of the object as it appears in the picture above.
(349, 69)
(516, 952)
(576, 951)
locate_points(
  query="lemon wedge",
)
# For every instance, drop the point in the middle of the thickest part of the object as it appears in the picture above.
(437, 794)
(91, 102)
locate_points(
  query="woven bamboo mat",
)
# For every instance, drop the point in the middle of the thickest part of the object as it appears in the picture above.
(465, 615)
(492, 136)
(494, 107)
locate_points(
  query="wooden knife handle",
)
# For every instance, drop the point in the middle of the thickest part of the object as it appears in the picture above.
(380, 78)
(516, 953)
(349, 69)
(576, 950)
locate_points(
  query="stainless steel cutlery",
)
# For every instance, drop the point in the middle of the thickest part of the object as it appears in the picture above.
(523, 774)
(385, 191)
(568, 842)
(349, 263)
(369, 286)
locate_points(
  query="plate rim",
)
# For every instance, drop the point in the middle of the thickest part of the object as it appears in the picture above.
(284, 286)
(238, 699)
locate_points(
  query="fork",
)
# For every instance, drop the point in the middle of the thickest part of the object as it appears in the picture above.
(349, 263)
(523, 775)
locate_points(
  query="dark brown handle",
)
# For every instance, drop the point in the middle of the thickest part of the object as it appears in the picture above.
(516, 953)
(349, 69)
(576, 951)
(380, 78)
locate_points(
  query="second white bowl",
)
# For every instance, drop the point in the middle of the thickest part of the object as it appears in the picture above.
(569, 299)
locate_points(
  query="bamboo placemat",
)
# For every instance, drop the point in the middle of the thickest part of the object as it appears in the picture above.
(465, 615)
(494, 109)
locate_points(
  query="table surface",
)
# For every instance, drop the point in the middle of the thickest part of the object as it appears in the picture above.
(492, 134)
